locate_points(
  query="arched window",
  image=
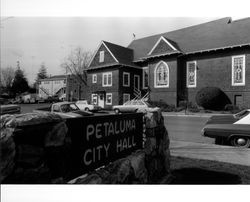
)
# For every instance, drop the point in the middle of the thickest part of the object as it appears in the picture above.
(161, 75)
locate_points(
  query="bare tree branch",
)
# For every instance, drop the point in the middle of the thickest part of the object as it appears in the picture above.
(76, 64)
(7, 76)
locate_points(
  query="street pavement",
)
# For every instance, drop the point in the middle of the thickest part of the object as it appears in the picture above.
(186, 128)
(227, 154)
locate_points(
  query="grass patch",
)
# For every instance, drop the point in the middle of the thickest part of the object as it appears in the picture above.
(196, 171)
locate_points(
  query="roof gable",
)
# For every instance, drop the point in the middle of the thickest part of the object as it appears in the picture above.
(162, 46)
(109, 57)
(114, 54)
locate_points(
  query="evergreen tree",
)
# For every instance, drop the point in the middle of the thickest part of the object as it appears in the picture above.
(42, 73)
(20, 83)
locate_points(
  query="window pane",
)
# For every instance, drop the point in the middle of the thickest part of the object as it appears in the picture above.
(105, 79)
(126, 97)
(191, 74)
(109, 79)
(126, 79)
(238, 70)
(145, 78)
(109, 99)
(101, 56)
(162, 75)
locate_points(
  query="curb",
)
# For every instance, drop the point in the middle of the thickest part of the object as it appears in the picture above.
(189, 115)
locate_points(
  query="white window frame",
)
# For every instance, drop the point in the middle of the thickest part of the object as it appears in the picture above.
(94, 78)
(126, 73)
(92, 98)
(107, 75)
(143, 77)
(108, 103)
(243, 70)
(155, 82)
(125, 94)
(138, 76)
(195, 74)
(101, 56)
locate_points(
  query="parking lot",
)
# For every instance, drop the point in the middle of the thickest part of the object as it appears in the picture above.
(179, 128)
(27, 108)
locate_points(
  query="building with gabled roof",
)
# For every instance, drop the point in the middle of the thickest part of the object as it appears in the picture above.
(174, 66)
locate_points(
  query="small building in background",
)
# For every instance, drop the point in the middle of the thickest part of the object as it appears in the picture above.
(65, 87)
(52, 86)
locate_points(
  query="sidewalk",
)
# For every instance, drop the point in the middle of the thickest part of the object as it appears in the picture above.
(212, 152)
(191, 114)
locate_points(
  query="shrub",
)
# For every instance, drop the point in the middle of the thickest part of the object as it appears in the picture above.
(192, 107)
(212, 98)
(169, 108)
(183, 104)
(230, 107)
(163, 105)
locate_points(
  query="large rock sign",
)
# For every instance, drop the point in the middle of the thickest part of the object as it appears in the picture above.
(147, 165)
(99, 140)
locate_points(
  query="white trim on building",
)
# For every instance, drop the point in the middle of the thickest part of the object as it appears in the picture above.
(191, 83)
(241, 74)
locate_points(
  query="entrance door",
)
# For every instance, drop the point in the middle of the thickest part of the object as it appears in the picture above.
(137, 82)
(101, 100)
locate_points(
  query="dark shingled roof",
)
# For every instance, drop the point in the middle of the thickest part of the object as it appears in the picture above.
(122, 54)
(211, 35)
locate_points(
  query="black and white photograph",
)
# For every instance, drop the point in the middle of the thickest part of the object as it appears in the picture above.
(101, 93)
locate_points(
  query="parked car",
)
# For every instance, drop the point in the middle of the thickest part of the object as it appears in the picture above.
(229, 129)
(4, 101)
(84, 105)
(10, 109)
(64, 109)
(51, 99)
(131, 106)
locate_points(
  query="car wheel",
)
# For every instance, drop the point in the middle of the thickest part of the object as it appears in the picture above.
(239, 141)
(87, 109)
(117, 111)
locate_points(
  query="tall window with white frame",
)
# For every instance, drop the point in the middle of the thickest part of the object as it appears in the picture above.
(109, 99)
(101, 56)
(238, 70)
(191, 74)
(126, 97)
(126, 79)
(107, 79)
(94, 99)
(145, 78)
(161, 75)
(94, 78)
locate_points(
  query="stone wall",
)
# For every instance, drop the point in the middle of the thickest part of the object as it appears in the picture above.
(143, 166)
(36, 148)
(31, 148)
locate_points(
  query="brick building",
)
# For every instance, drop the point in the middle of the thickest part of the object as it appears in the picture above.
(174, 66)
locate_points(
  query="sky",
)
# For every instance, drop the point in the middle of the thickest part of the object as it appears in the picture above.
(36, 40)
